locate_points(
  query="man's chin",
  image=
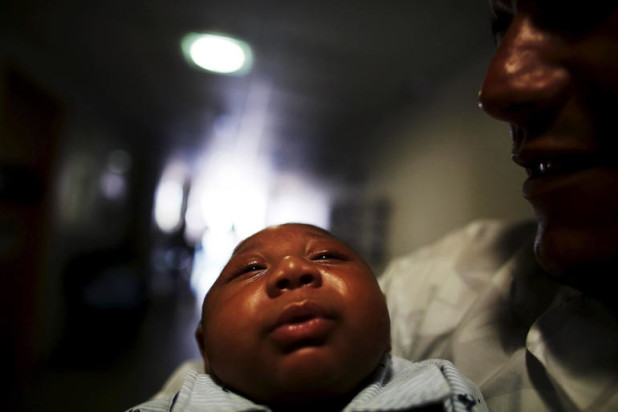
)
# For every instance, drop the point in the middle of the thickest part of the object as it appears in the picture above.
(584, 259)
(550, 257)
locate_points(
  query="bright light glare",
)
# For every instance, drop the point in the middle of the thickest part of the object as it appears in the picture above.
(168, 205)
(236, 198)
(231, 195)
(216, 53)
(169, 198)
(298, 199)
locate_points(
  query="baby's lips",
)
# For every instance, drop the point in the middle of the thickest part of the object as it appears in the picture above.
(303, 323)
(305, 332)
(300, 311)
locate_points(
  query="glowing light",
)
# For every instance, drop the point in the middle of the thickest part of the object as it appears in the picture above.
(297, 199)
(168, 205)
(169, 199)
(113, 181)
(236, 198)
(231, 196)
(217, 53)
(113, 186)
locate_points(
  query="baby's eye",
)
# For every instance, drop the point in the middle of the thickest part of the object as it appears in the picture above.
(249, 270)
(252, 268)
(327, 256)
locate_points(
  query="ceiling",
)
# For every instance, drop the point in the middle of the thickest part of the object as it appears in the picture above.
(325, 72)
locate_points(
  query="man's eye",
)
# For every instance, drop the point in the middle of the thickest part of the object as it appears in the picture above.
(573, 19)
(500, 22)
(502, 14)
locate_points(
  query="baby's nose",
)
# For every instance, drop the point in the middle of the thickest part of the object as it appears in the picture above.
(292, 273)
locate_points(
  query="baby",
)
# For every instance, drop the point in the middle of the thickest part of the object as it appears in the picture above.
(297, 321)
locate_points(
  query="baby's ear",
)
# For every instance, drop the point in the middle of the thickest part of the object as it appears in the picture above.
(199, 337)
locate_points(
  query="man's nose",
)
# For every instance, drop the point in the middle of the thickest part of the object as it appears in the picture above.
(526, 75)
(292, 273)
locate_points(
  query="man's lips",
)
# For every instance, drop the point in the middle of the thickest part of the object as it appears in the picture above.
(302, 323)
(543, 164)
(568, 172)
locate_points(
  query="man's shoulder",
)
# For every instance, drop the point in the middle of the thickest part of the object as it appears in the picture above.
(472, 254)
(429, 291)
(482, 244)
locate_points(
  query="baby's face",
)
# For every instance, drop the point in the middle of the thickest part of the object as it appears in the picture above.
(294, 315)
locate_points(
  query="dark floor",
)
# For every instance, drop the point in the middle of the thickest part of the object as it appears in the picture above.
(164, 341)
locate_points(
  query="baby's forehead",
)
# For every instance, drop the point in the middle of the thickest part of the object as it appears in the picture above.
(271, 233)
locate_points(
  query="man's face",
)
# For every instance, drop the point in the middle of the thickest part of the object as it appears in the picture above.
(294, 315)
(554, 78)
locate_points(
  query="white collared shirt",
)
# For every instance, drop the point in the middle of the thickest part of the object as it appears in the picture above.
(478, 298)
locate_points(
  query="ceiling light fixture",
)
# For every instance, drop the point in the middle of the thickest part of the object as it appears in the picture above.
(217, 53)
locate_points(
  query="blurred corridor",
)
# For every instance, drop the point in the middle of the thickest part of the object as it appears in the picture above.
(128, 172)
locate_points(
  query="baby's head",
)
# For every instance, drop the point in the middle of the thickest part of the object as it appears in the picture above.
(295, 315)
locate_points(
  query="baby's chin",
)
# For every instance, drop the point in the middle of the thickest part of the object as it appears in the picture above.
(305, 383)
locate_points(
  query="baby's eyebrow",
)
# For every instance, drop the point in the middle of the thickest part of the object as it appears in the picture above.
(243, 246)
(248, 243)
